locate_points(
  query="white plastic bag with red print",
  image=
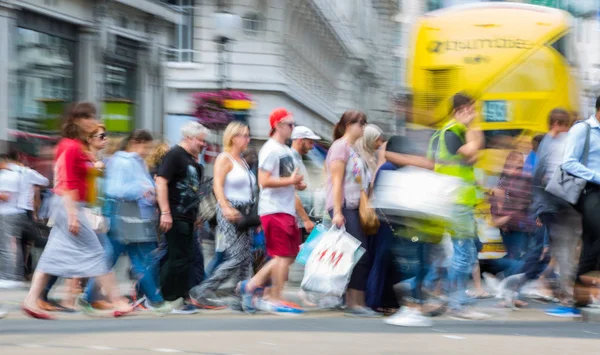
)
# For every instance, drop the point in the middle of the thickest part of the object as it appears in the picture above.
(330, 265)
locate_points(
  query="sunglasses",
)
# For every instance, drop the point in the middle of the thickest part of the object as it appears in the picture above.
(362, 123)
(102, 136)
(289, 124)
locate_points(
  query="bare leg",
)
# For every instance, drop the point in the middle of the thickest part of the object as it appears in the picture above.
(477, 278)
(73, 290)
(109, 284)
(262, 276)
(38, 283)
(279, 275)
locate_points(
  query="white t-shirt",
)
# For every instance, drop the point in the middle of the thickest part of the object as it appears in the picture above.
(29, 178)
(9, 184)
(277, 159)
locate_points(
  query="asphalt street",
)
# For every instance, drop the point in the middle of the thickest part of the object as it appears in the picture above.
(225, 332)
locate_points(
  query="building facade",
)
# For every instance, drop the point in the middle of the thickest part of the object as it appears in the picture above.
(110, 52)
(314, 57)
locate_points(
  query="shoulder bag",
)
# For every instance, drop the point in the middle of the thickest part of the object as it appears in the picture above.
(249, 211)
(207, 209)
(565, 185)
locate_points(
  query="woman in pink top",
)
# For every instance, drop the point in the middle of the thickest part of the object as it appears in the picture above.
(347, 176)
(73, 249)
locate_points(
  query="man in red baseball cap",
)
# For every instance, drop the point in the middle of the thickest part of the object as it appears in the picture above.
(278, 178)
(278, 116)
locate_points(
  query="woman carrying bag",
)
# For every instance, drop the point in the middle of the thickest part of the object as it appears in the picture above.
(347, 183)
(234, 187)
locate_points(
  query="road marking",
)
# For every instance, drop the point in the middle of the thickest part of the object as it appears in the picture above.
(31, 345)
(100, 347)
(587, 331)
(439, 330)
(265, 343)
(163, 350)
(453, 337)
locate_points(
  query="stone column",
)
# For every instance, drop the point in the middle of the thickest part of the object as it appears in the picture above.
(145, 97)
(8, 31)
(89, 70)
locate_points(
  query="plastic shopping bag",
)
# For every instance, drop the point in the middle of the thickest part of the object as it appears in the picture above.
(311, 242)
(417, 193)
(330, 265)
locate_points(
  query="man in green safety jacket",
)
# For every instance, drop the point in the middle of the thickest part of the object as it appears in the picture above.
(454, 148)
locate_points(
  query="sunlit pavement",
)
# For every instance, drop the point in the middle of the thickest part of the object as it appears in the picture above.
(527, 331)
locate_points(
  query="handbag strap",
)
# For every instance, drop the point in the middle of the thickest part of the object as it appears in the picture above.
(586, 146)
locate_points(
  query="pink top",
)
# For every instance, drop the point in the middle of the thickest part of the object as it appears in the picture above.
(354, 175)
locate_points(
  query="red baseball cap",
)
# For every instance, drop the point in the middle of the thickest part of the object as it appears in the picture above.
(278, 115)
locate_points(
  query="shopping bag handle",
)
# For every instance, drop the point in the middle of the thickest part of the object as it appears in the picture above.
(335, 228)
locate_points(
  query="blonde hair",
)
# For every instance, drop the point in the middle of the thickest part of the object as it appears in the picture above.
(159, 152)
(233, 129)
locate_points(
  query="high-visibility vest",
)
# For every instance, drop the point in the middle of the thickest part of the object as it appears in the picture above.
(453, 164)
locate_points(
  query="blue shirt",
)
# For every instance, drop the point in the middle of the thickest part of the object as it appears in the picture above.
(574, 151)
(530, 163)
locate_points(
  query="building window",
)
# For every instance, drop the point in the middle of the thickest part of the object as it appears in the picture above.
(183, 50)
(253, 24)
(45, 79)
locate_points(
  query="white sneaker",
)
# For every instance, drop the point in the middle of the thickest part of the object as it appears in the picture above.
(3, 313)
(469, 314)
(408, 317)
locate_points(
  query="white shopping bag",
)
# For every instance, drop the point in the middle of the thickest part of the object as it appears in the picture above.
(416, 192)
(330, 265)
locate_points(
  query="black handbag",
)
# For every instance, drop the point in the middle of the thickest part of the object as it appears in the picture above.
(249, 211)
(207, 207)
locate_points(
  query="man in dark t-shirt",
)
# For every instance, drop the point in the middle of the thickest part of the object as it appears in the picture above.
(177, 186)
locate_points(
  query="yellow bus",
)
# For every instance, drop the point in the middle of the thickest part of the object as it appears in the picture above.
(516, 59)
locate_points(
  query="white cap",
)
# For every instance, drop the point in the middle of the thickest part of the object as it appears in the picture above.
(302, 132)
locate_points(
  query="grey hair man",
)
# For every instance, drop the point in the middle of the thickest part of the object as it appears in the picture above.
(177, 186)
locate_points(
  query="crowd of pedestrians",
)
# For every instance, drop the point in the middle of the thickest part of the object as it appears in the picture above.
(144, 200)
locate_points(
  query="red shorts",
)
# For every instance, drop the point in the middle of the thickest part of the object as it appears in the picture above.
(282, 235)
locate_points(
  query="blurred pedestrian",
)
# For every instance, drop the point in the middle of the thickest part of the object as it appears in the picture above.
(455, 149)
(234, 186)
(177, 187)
(367, 147)
(347, 176)
(12, 223)
(73, 249)
(278, 178)
(303, 141)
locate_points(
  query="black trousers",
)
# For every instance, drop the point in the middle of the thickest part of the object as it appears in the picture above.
(175, 272)
(589, 207)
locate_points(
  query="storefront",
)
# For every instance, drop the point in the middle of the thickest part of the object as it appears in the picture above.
(45, 73)
(120, 86)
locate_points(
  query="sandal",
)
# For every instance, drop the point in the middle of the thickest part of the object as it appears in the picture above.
(37, 314)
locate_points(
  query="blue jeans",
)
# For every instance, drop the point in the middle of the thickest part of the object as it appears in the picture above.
(412, 262)
(465, 256)
(141, 256)
(515, 243)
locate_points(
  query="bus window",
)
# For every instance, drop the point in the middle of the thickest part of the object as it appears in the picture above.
(501, 138)
(564, 47)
